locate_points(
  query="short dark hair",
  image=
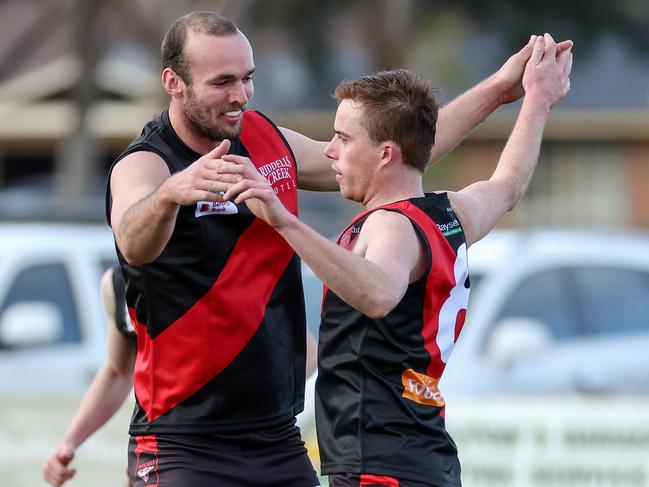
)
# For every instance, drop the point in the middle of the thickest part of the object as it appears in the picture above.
(173, 45)
(397, 105)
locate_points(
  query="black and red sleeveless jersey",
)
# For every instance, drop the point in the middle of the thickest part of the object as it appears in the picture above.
(378, 407)
(122, 318)
(219, 314)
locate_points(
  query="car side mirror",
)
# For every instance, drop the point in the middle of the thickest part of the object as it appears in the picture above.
(515, 338)
(30, 323)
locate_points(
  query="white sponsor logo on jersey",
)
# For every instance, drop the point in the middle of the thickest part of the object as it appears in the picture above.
(215, 208)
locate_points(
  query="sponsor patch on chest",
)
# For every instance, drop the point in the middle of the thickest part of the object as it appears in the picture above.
(450, 228)
(215, 208)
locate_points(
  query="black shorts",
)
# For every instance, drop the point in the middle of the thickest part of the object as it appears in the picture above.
(274, 457)
(369, 480)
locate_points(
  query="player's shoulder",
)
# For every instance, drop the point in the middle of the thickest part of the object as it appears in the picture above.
(142, 154)
(385, 221)
(141, 161)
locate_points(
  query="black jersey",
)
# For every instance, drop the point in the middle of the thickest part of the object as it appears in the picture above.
(378, 407)
(122, 318)
(219, 314)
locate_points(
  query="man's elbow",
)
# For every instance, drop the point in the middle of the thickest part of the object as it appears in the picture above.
(512, 200)
(134, 256)
(382, 305)
(136, 259)
(515, 196)
(513, 193)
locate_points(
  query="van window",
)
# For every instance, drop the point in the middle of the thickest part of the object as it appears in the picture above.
(545, 297)
(613, 300)
(48, 283)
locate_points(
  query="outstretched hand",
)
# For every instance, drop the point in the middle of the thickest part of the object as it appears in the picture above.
(509, 76)
(256, 192)
(546, 79)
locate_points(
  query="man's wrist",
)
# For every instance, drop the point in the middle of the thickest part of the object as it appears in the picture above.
(287, 221)
(163, 197)
(536, 104)
(493, 91)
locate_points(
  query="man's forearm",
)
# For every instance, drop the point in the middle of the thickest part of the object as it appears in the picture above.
(145, 228)
(369, 290)
(104, 397)
(467, 111)
(520, 155)
(458, 118)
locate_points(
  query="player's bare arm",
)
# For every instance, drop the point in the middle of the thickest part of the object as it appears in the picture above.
(372, 278)
(313, 167)
(546, 81)
(146, 199)
(107, 392)
(120, 359)
(459, 117)
(456, 120)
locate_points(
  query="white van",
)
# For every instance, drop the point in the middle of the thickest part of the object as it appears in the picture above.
(53, 332)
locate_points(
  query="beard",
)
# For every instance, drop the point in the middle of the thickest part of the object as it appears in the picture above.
(202, 122)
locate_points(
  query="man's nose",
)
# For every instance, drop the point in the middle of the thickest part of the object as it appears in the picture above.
(329, 150)
(238, 94)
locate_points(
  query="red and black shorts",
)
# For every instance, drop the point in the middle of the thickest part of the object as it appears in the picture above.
(273, 457)
(369, 480)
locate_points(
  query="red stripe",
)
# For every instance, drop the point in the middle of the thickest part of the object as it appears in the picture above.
(382, 480)
(146, 444)
(262, 142)
(175, 365)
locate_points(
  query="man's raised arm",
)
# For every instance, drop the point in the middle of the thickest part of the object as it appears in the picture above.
(463, 114)
(546, 81)
(456, 120)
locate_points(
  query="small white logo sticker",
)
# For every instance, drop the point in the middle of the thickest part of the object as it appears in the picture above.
(215, 208)
(143, 473)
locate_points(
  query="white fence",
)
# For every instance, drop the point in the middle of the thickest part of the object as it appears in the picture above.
(552, 441)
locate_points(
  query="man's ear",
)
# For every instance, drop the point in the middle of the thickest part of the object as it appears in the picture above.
(172, 83)
(390, 152)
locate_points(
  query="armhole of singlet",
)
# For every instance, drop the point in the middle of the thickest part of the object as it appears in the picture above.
(128, 152)
(421, 235)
